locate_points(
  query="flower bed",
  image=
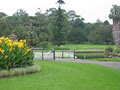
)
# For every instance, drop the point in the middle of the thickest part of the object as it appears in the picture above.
(14, 54)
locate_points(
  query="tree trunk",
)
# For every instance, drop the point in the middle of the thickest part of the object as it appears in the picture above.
(116, 32)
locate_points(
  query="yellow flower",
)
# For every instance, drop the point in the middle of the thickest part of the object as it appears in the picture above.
(2, 38)
(28, 50)
(2, 51)
(0, 41)
(20, 45)
(10, 44)
(24, 41)
(6, 56)
(15, 43)
(10, 49)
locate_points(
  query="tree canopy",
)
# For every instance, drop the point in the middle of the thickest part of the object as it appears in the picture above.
(115, 12)
(55, 26)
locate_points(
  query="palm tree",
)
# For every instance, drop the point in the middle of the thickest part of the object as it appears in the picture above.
(115, 15)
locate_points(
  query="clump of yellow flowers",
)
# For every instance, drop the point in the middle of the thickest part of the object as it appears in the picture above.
(14, 54)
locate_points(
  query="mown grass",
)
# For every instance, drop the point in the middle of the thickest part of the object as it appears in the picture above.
(78, 47)
(105, 59)
(86, 46)
(66, 76)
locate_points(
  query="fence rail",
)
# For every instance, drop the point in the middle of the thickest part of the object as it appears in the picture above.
(45, 55)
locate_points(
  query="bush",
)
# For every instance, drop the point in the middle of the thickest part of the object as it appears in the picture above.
(44, 45)
(117, 50)
(89, 55)
(109, 49)
(61, 48)
(14, 54)
(90, 51)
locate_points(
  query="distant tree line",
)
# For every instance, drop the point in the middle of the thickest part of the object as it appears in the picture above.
(44, 27)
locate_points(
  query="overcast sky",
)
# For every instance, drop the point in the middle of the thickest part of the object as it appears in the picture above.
(90, 10)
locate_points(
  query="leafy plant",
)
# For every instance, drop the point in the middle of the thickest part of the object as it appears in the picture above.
(44, 45)
(89, 55)
(109, 51)
(14, 54)
(117, 50)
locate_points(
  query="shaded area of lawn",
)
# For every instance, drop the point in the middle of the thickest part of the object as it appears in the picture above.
(66, 76)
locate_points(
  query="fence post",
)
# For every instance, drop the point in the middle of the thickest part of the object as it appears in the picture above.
(62, 54)
(42, 55)
(53, 55)
(74, 54)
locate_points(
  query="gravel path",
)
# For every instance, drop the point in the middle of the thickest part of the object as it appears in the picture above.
(113, 64)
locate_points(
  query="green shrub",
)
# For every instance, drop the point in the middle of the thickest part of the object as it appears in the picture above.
(44, 45)
(89, 55)
(109, 49)
(14, 54)
(117, 50)
(61, 48)
(90, 51)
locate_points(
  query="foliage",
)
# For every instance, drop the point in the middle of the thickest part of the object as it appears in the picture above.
(19, 71)
(101, 35)
(44, 45)
(61, 48)
(77, 36)
(56, 25)
(117, 50)
(106, 22)
(14, 54)
(115, 13)
(58, 32)
(90, 51)
(60, 2)
(89, 55)
(108, 51)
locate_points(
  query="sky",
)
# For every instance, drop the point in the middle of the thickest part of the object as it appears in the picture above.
(90, 10)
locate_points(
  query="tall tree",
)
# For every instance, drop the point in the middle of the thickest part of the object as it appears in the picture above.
(58, 32)
(115, 15)
(106, 22)
(72, 15)
(60, 2)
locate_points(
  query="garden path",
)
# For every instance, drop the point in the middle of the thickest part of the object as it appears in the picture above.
(113, 64)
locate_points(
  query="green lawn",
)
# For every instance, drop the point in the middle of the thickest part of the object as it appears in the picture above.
(87, 46)
(79, 47)
(65, 76)
(105, 59)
